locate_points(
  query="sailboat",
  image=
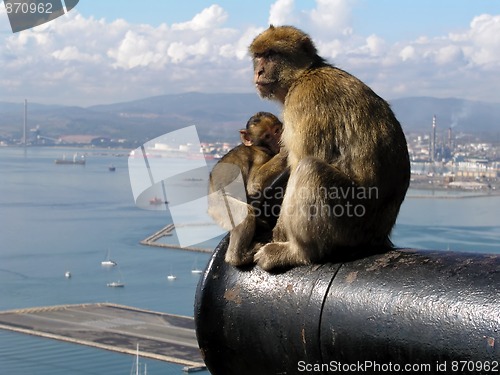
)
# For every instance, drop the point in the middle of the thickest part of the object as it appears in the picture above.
(137, 365)
(171, 276)
(116, 284)
(108, 262)
(195, 268)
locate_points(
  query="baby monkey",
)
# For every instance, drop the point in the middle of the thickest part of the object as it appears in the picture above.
(260, 142)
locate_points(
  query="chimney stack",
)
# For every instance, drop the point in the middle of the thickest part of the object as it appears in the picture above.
(25, 127)
(433, 139)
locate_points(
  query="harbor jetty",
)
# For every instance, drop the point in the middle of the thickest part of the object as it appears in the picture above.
(118, 328)
(152, 240)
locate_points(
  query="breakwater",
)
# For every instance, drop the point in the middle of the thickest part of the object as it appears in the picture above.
(152, 240)
(161, 336)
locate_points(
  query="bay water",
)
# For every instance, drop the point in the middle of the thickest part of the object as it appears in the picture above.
(58, 218)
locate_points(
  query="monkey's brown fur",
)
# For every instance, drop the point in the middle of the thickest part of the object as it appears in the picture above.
(260, 142)
(342, 140)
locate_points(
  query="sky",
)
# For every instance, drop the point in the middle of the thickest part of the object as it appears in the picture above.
(109, 51)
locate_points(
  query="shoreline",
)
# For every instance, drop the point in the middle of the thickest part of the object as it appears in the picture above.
(436, 191)
(451, 196)
(446, 193)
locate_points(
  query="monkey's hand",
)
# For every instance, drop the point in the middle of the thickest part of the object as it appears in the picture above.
(271, 175)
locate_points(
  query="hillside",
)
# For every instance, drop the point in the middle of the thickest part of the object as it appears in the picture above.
(219, 116)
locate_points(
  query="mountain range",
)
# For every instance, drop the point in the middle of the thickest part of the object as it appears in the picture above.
(219, 116)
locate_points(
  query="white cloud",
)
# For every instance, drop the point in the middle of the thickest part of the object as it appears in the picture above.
(484, 34)
(407, 53)
(282, 13)
(376, 45)
(138, 50)
(180, 52)
(327, 18)
(477, 46)
(448, 54)
(209, 18)
(332, 15)
(239, 49)
(114, 61)
(330, 49)
(69, 53)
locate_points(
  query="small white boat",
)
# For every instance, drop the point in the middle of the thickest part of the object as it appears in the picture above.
(67, 274)
(171, 276)
(115, 284)
(195, 269)
(108, 262)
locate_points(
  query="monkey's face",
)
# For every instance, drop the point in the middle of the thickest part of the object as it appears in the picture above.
(267, 68)
(267, 134)
(263, 130)
(279, 55)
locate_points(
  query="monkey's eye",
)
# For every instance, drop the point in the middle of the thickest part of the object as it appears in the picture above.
(269, 54)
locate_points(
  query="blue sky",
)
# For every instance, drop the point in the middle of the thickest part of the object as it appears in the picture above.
(391, 19)
(117, 50)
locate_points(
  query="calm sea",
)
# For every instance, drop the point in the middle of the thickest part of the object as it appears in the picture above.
(55, 218)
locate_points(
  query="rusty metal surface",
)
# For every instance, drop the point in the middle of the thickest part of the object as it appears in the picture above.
(404, 306)
(438, 306)
(253, 319)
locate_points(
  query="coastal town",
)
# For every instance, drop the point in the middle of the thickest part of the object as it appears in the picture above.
(440, 158)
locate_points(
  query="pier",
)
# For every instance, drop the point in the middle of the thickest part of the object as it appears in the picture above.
(167, 231)
(118, 328)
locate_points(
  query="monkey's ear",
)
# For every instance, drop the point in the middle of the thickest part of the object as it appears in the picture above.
(245, 137)
(308, 46)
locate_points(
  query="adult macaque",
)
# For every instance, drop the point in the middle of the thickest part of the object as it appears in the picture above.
(260, 142)
(348, 158)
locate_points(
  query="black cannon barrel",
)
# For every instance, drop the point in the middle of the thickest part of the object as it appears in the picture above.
(437, 312)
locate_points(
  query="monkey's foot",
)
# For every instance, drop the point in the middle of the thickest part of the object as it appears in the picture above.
(278, 255)
(238, 258)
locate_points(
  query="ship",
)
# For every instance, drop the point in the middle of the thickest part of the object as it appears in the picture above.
(157, 201)
(80, 160)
